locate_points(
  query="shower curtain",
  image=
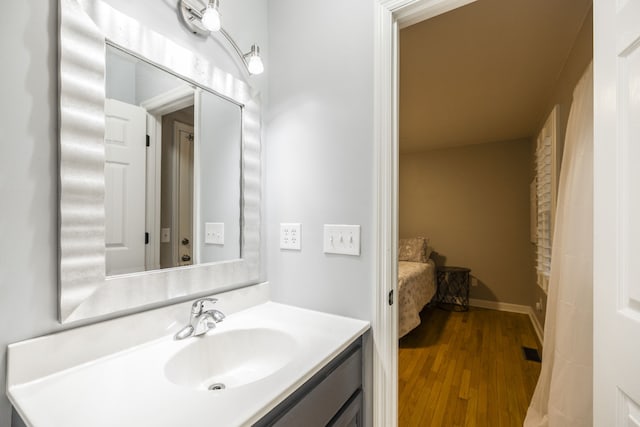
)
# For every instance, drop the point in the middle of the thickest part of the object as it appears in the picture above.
(563, 396)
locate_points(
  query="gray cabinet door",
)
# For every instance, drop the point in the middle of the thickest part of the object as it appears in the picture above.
(333, 396)
(320, 405)
(351, 414)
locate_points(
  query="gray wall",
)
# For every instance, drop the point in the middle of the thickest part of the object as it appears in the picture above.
(220, 150)
(133, 81)
(28, 152)
(319, 150)
(28, 176)
(319, 155)
(120, 78)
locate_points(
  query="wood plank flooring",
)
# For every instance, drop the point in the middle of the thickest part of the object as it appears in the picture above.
(466, 369)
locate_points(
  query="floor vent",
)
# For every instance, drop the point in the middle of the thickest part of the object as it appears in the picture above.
(531, 354)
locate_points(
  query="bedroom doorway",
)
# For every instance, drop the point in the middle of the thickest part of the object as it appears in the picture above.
(616, 387)
(454, 160)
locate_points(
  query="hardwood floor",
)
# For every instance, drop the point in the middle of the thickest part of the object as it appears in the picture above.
(466, 369)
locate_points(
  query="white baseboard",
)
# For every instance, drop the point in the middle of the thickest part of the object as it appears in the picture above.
(511, 308)
(537, 326)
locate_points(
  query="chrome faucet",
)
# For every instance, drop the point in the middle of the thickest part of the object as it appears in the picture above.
(201, 320)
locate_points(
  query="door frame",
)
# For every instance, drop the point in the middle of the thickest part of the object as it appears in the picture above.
(177, 220)
(390, 16)
(158, 106)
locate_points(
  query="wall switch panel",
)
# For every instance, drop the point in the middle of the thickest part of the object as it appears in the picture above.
(214, 233)
(290, 236)
(342, 239)
(165, 235)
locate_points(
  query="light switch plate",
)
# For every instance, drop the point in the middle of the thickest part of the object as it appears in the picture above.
(290, 236)
(342, 239)
(165, 235)
(214, 233)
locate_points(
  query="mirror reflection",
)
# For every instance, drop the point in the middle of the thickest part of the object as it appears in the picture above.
(172, 170)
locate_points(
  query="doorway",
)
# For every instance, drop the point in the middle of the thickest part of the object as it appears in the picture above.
(475, 85)
(390, 19)
(177, 177)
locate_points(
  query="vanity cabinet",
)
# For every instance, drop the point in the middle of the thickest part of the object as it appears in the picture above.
(332, 397)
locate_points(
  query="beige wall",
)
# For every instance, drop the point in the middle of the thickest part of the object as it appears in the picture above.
(166, 209)
(577, 61)
(473, 203)
(475, 208)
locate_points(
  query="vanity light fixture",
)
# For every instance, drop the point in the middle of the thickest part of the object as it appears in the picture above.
(204, 19)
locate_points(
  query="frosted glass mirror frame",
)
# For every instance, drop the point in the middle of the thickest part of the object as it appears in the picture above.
(85, 291)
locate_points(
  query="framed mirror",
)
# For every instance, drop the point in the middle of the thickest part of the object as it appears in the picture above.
(159, 168)
(172, 195)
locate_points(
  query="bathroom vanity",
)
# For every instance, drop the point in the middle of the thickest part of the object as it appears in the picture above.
(266, 364)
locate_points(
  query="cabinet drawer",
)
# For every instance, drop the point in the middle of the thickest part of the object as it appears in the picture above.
(351, 414)
(318, 401)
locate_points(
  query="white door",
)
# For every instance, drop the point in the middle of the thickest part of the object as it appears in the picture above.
(125, 145)
(617, 213)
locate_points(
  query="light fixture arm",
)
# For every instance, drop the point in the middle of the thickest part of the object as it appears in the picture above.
(235, 46)
(192, 18)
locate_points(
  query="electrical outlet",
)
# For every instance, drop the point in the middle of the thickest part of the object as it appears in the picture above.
(290, 236)
(342, 239)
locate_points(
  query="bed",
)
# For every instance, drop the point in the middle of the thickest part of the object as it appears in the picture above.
(416, 282)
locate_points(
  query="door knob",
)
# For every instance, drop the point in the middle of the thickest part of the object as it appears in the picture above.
(186, 258)
(185, 241)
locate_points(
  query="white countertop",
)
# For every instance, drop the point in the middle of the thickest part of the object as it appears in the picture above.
(129, 387)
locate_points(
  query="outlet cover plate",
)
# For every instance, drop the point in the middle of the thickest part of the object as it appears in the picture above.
(342, 239)
(291, 236)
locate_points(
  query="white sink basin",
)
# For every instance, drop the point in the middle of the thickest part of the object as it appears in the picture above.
(230, 358)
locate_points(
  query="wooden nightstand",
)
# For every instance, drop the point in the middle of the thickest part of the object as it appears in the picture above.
(453, 288)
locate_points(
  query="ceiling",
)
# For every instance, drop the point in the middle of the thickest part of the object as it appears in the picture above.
(484, 72)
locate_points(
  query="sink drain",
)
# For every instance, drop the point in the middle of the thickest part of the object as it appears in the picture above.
(217, 386)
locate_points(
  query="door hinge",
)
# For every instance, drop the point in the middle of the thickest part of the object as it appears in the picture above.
(391, 297)
(148, 141)
(146, 238)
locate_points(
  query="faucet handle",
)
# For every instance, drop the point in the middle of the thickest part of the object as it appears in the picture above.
(198, 305)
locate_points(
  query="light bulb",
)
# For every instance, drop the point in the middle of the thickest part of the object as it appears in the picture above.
(211, 17)
(255, 65)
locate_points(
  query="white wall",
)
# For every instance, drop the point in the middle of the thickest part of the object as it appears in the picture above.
(319, 150)
(29, 156)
